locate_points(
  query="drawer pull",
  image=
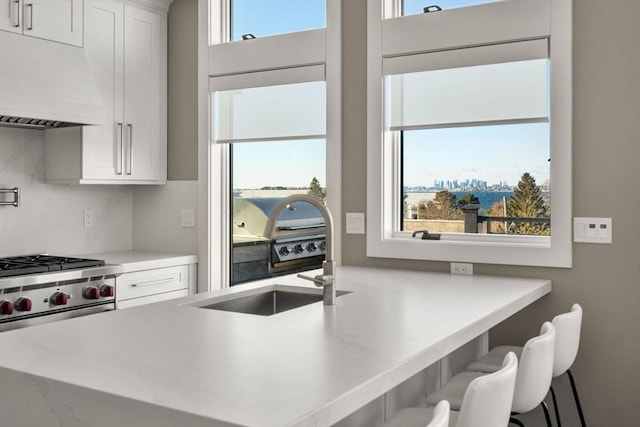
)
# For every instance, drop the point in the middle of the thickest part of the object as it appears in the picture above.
(153, 283)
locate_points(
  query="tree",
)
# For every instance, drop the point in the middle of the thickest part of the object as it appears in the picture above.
(468, 199)
(443, 206)
(316, 190)
(497, 209)
(527, 202)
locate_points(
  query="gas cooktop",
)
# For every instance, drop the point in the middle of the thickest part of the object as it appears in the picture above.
(31, 264)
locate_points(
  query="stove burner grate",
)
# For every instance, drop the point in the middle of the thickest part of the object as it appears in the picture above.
(31, 264)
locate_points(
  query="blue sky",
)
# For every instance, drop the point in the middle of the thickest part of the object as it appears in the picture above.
(269, 17)
(289, 164)
(490, 153)
(493, 154)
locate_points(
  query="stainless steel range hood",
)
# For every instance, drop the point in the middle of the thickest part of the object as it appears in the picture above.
(45, 84)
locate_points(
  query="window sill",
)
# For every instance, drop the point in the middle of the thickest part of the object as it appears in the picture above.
(541, 251)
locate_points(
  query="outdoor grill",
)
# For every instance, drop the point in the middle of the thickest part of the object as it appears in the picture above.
(296, 242)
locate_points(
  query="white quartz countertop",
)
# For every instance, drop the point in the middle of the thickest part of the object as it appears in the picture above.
(134, 260)
(174, 364)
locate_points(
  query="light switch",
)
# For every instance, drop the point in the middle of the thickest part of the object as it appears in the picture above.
(355, 223)
(592, 230)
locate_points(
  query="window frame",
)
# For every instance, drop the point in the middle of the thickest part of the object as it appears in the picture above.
(480, 25)
(270, 54)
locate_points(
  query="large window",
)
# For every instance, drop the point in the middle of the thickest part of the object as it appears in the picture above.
(274, 103)
(473, 130)
(470, 133)
(276, 138)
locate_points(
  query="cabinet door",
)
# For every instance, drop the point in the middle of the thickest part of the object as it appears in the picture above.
(103, 146)
(56, 20)
(142, 94)
(11, 15)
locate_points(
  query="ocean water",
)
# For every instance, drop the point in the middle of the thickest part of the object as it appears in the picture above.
(486, 198)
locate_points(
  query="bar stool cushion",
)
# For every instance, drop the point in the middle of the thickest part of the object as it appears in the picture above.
(492, 361)
(424, 417)
(454, 390)
(532, 382)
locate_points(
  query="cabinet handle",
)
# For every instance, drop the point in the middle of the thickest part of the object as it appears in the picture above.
(71, 1)
(120, 149)
(153, 283)
(130, 160)
(17, 4)
(30, 6)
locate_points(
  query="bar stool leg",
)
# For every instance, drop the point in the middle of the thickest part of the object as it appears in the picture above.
(577, 399)
(516, 421)
(546, 413)
(555, 405)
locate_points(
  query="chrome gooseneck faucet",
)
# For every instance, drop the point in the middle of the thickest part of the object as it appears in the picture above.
(327, 279)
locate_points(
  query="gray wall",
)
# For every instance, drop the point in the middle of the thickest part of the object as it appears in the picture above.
(182, 132)
(605, 279)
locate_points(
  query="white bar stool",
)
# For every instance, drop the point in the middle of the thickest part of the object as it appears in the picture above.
(486, 403)
(568, 327)
(535, 368)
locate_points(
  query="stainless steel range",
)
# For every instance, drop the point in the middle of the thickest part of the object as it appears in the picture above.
(37, 289)
(293, 242)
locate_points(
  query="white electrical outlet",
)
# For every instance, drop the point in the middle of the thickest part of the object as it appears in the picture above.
(187, 218)
(89, 219)
(461, 268)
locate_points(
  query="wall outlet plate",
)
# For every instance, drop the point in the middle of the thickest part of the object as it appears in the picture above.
(187, 218)
(89, 218)
(462, 268)
(592, 230)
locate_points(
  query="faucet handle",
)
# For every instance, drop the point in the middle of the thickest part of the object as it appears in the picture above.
(320, 281)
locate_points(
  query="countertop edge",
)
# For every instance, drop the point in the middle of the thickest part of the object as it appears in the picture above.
(137, 260)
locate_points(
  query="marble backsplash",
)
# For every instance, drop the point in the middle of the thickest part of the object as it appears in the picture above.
(50, 217)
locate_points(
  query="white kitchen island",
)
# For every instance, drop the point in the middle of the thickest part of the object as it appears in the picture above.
(174, 364)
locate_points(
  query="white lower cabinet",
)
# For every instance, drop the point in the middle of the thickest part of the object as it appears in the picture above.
(147, 286)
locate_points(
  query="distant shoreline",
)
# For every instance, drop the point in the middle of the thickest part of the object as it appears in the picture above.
(486, 198)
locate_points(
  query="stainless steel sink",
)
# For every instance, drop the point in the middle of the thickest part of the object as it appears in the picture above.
(269, 302)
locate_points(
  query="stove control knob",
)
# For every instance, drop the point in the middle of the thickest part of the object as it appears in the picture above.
(59, 298)
(311, 247)
(284, 250)
(92, 293)
(22, 304)
(323, 245)
(107, 291)
(298, 248)
(6, 307)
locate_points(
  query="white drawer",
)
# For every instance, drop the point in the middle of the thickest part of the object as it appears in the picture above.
(134, 302)
(151, 282)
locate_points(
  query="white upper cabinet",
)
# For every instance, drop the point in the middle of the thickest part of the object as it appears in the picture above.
(55, 20)
(126, 48)
(11, 15)
(142, 93)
